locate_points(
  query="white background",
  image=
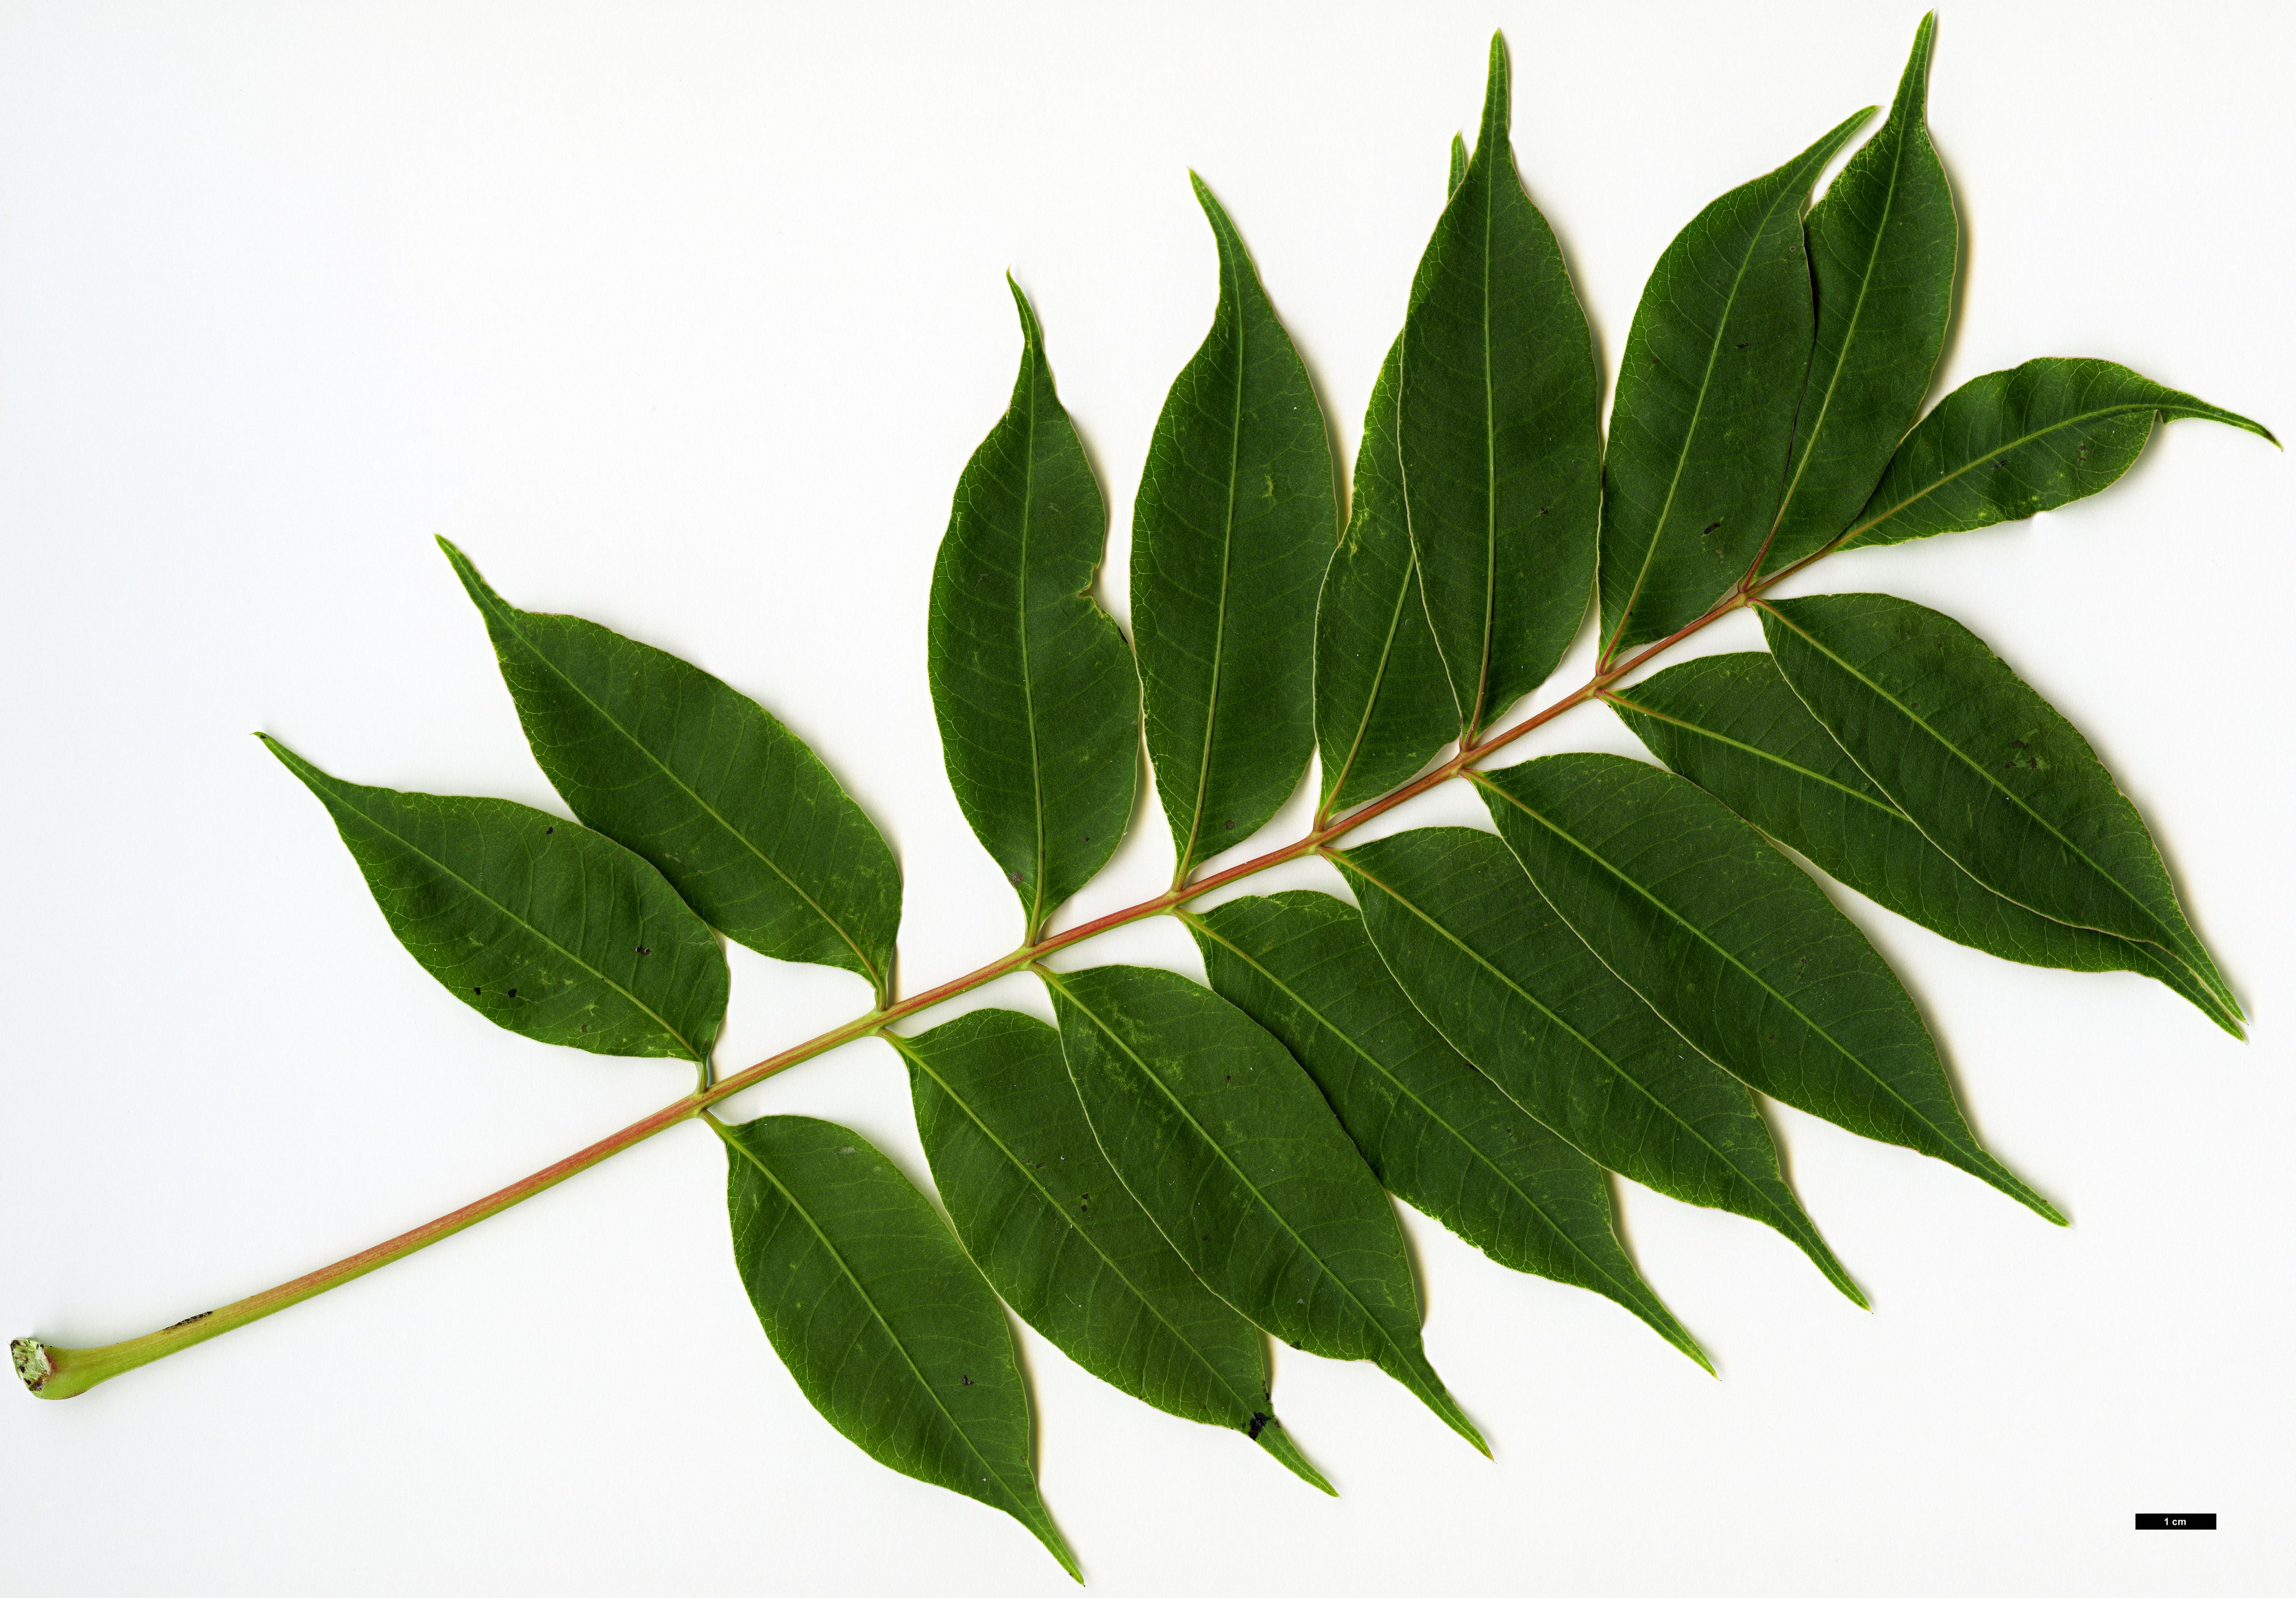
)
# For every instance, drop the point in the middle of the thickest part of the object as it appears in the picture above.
(684, 317)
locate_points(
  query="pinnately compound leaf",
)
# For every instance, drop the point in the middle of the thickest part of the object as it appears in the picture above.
(1984, 766)
(1883, 244)
(1437, 1131)
(727, 803)
(2004, 446)
(1055, 1233)
(1709, 387)
(545, 927)
(1383, 701)
(1225, 1143)
(1500, 441)
(1033, 685)
(889, 1330)
(1730, 724)
(1739, 950)
(1516, 992)
(1234, 525)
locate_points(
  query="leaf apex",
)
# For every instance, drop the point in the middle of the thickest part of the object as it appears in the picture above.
(1496, 108)
(1058, 1546)
(1032, 331)
(1223, 227)
(473, 583)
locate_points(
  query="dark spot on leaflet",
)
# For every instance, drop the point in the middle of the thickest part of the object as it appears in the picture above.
(1231, 827)
(964, 1381)
(1545, 508)
(513, 992)
(1013, 877)
(1259, 1424)
(1708, 532)
(478, 990)
(1742, 344)
(548, 830)
(643, 950)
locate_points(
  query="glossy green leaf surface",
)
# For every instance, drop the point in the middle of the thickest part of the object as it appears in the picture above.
(1033, 685)
(545, 927)
(1983, 765)
(1437, 1131)
(1052, 1228)
(1709, 387)
(1383, 703)
(2010, 444)
(1732, 725)
(729, 804)
(1485, 959)
(1500, 441)
(1740, 951)
(1234, 525)
(1883, 244)
(890, 1330)
(1227, 1145)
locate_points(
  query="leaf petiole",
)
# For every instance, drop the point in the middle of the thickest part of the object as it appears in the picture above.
(53, 1371)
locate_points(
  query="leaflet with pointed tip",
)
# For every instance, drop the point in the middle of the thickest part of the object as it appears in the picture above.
(1984, 766)
(1515, 991)
(2010, 444)
(1736, 947)
(1882, 243)
(1055, 1230)
(543, 926)
(1732, 725)
(890, 1330)
(1032, 684)
(1437, 1132)
(1500, 441)
(1225, 1143)
(727, 803)
(1235, 523)
(1709, 387)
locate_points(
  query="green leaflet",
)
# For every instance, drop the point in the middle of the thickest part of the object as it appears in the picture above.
(547, 928)
(1436, 1131)
(726, 802)
(1484, 957)
(1983, 765)
(1225, 1143)
(1383, 701)
(1739, 950)
(1731, 724)
(2004, 446)
(1233, 527)
(1883, 244)
(1500, 440)
(889, 1330)
(1055, 1233)
(1709, 388)
(1034, 688)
